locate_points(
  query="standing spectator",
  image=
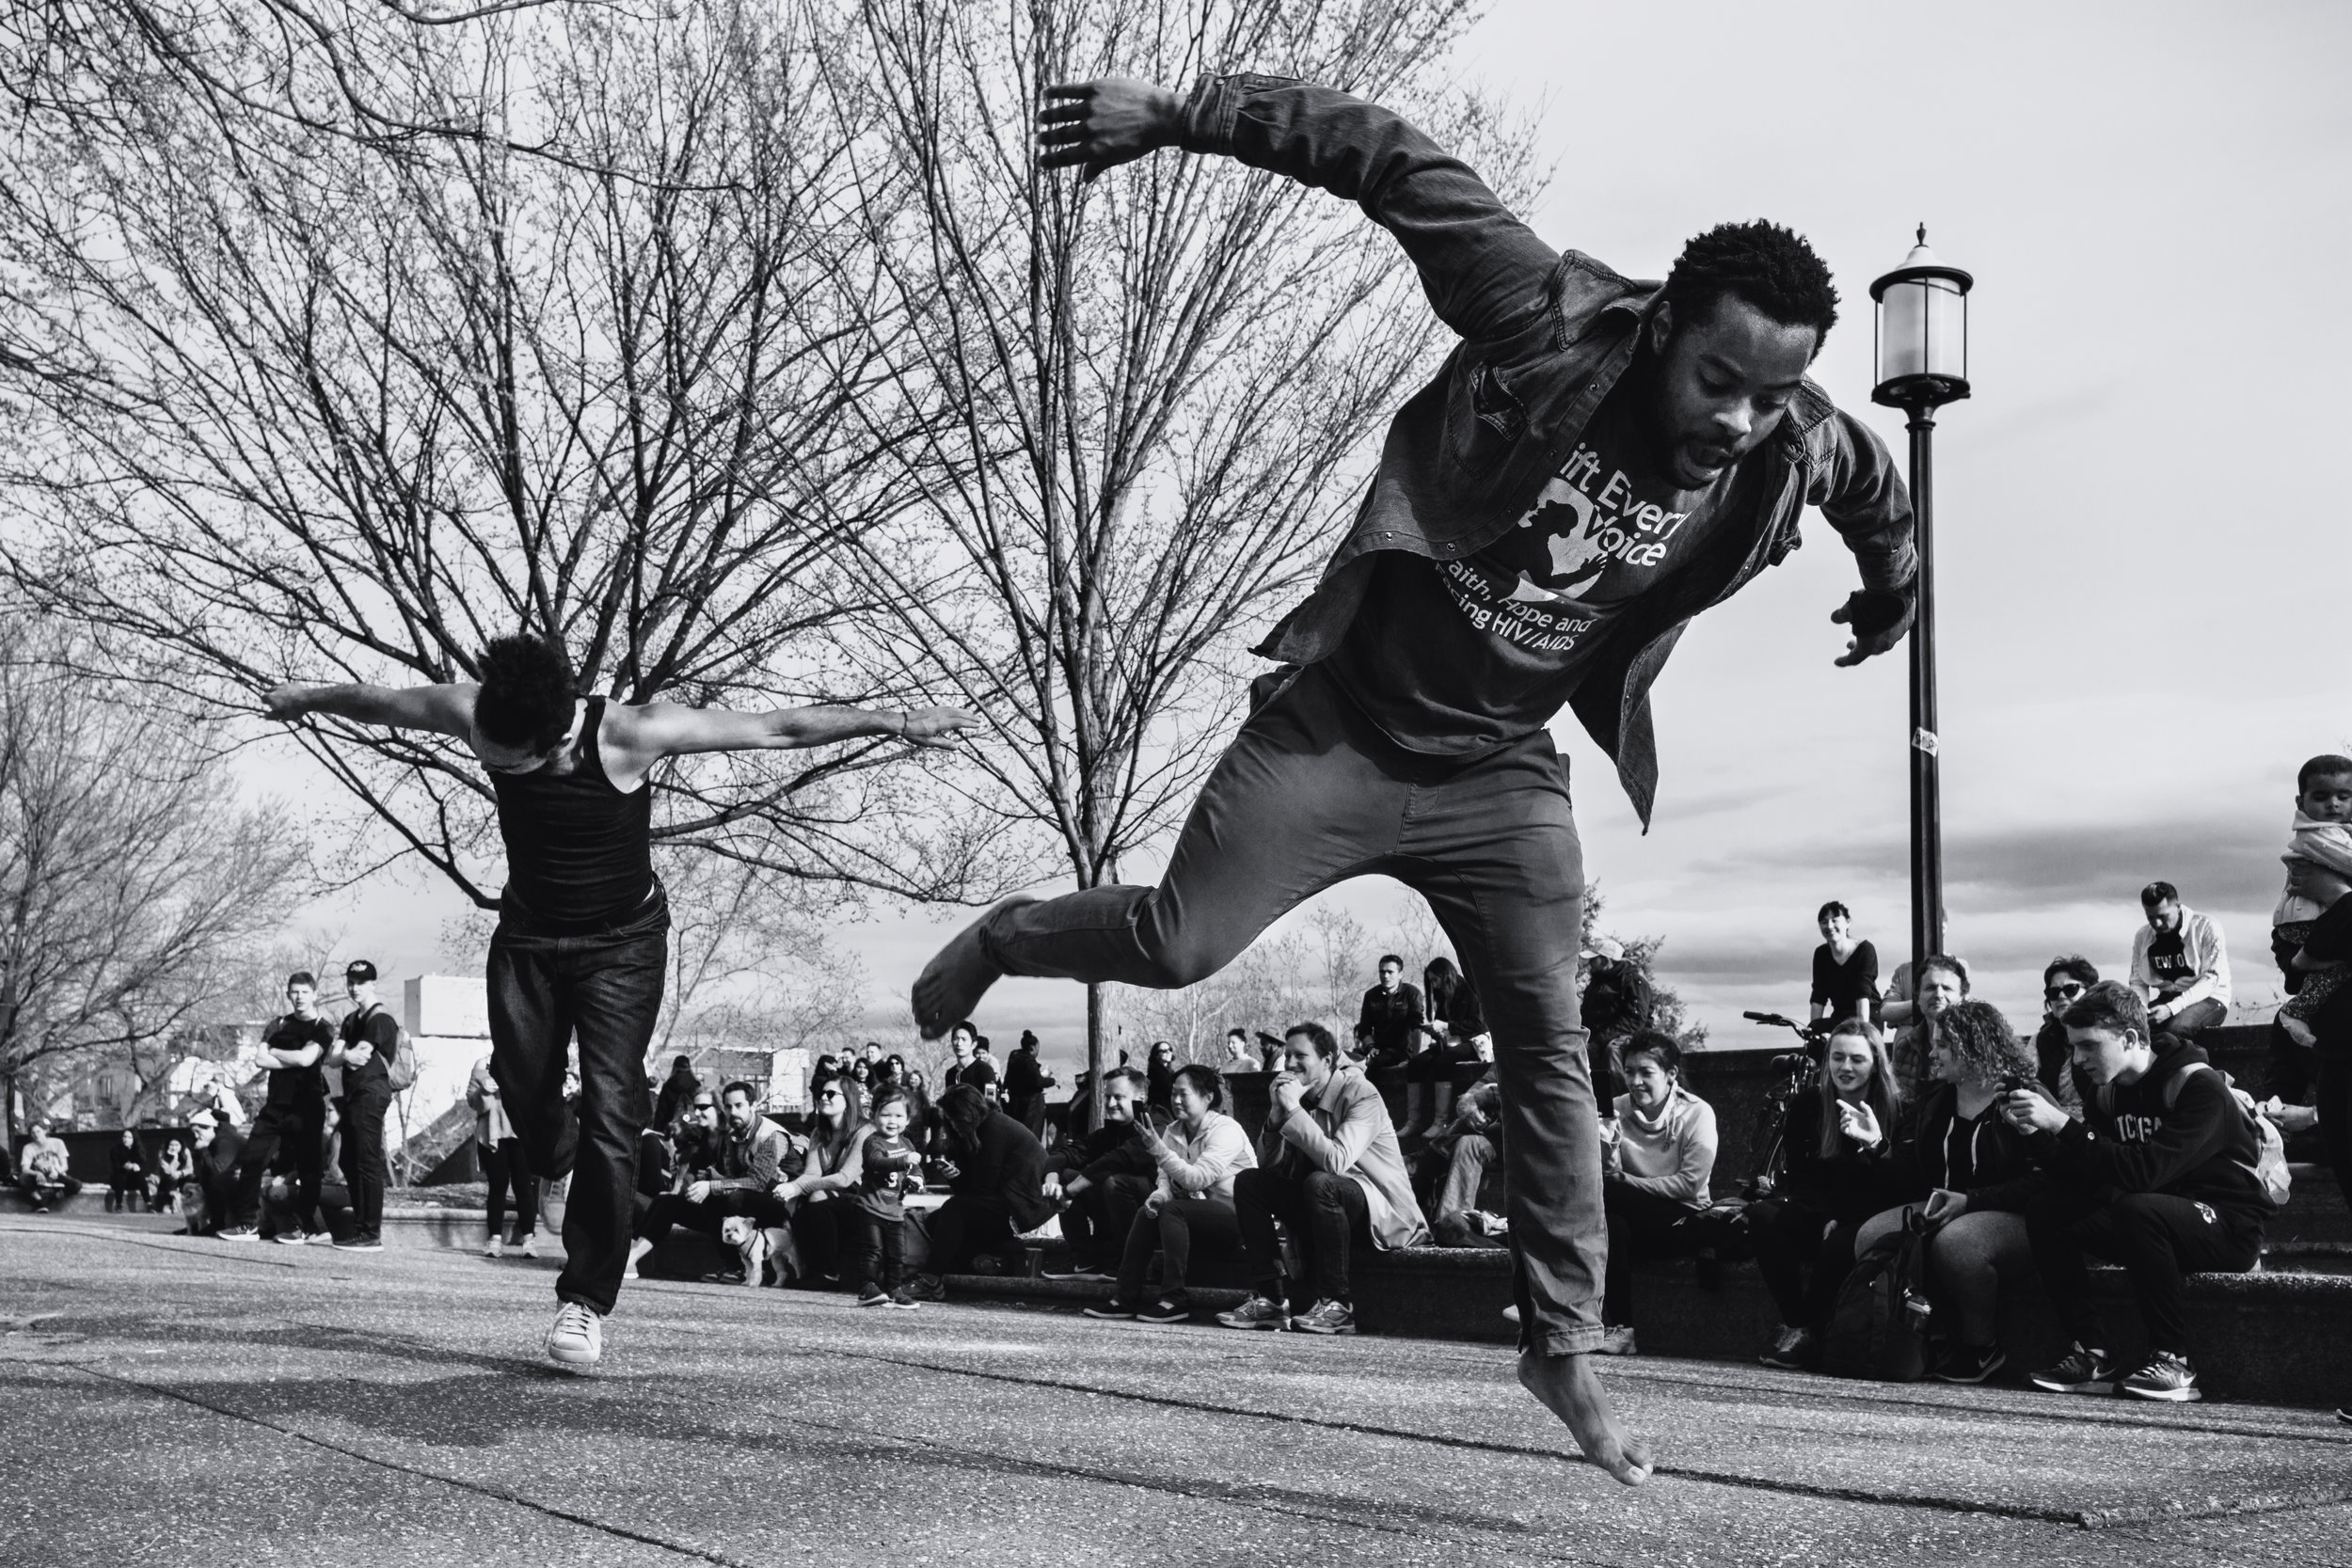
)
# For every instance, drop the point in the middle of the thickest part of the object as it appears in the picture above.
(2319, 872)
(1025, 1082)
(1240, 1055)
(817, 1197)
(677, 1091)
(1838, 1139)
(1844, 970)
(175, 1169)
(2159, 1177)
(1618, 1004)
(1655, 1169)
(1192, 1202)
(40, 1167)
(1979, 1178)
(969, 1066)
(2180, 964)
(504, 1166)
(364, 1053)
(1943, 984)
(997, 1192)
(920, 1104)
(1387, 1024)
(126, 1174)
(1454, 1028)
(1100, 1182)
(219, 1149)
(889, 1166)
(292, 1127)
(2063, 980)
(1159, 1076)
(1329, 1170)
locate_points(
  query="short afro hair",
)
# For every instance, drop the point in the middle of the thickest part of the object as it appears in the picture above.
(528, 692)
(1772, 268)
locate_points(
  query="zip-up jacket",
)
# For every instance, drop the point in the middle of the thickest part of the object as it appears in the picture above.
(1989, 1161)
(2200, 1147)
(1545, 336)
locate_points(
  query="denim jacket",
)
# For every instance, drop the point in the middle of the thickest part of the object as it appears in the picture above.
(1545, 336)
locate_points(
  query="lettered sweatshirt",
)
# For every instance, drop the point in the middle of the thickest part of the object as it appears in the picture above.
(2200, 1147)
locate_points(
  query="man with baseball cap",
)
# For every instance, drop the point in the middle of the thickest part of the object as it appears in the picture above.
(1616, 1005)
(364, 1051)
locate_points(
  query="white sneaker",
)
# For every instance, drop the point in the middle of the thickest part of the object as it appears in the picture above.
(577, 1339)
(495, 1249)
(529, 1246)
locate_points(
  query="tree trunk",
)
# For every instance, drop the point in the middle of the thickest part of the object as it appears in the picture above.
(1094, 1051)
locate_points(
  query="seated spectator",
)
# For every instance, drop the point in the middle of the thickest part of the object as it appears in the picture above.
(1616, 1007)
(1943, 984)
(754, 1156)
(1845, 969)
(1463, 1154)
(817, 1197)
(2066, 978)
(1240, 1055)
(1838, 1139)
(1454, 1029)
(996, 1193)
(1328, 1168)
(41, 1173)
(1099, 1182)
(1656, 1162)
(887, 1166)
(1979, 1178)
(174, 1170)
(2180, 964)
(126, 1175)
(657, 1171)
(1198, 1158)
(2157, 1177)
(219, 1150)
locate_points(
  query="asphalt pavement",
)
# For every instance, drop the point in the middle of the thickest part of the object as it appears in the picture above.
(181, 1401)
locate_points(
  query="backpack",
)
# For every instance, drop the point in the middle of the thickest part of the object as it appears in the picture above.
(2269, 1169)
(402, 1068)
(1878, 1326)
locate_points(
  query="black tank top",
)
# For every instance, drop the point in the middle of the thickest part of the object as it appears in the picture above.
(579, 852)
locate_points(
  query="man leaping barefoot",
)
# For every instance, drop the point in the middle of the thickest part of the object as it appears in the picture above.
(1600, 461)
(582, 941)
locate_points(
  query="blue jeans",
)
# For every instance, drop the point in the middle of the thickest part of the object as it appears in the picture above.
(1311, 794)
(605, 986)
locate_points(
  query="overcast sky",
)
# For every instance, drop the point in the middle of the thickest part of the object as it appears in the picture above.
(2143, 546)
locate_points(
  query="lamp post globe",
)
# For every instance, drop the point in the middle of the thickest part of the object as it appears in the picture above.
(1921, 363)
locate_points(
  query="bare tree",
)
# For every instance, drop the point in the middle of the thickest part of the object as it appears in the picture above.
(131, 879)
(298, 404)
(1151, 393)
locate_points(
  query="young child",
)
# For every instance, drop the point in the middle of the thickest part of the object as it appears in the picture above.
(2321, 840)
(890, 1166)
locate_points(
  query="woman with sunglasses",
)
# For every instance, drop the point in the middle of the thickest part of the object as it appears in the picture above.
(832, 1171)
(2062, 985)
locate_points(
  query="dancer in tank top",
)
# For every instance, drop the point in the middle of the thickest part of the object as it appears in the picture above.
(583, 941)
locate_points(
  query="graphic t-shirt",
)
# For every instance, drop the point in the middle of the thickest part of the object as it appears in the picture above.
(1457, 658)
(298, 1085)
(2167, 961)
(882, 1176)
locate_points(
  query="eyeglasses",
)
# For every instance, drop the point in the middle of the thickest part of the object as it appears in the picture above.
(830, 1094)
(2061, 993)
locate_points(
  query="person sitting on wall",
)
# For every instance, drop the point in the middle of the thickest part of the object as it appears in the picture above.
(997, 1190)
(41, 1173)
(1100, 1182)
(2180, 964)
(1656, 1158)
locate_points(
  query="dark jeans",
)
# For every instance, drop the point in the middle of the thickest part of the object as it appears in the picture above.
(1641, 1225)
(365, 1169)
(1181, 1224)
(300, 1129)
(1311, 794)
(504, 1167)
(1804, 1254)
(2197, 1018)
(45, 1192)
(1029, 1111)
(1325, 1216)
(818, 1232)
(604, 988)
(2333, 1102)
(1097, 1221)
(2156, 1237)
(876, 1250)
(964, 1226)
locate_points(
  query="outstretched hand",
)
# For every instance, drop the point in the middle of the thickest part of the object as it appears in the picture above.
(936, 726)
(1101, 124)
(1879, 616)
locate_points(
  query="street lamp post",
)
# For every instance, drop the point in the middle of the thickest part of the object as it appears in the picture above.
(1922, 364)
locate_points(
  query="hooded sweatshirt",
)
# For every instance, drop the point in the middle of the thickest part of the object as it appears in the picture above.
(2200, 1147)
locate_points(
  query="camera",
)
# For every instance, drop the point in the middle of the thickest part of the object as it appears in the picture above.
(2018, 1083)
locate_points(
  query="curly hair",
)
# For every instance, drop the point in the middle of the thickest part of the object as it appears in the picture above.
(528, 690)
(1771, 267)
(1989, 1049)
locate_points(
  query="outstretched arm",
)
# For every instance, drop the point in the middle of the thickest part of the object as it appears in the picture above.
(669, 729)
(1487, 274)
(445, 710)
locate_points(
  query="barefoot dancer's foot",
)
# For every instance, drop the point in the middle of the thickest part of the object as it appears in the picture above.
(1568, 1389)
(952, 984)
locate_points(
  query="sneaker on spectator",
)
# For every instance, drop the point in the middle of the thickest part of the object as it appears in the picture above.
(494, 1248)
(1969, 1363)
(1792, 1352)
(902, 1300)
(2085, 1370)
(227, 1233)
(1257, 1313)
(1173, 1307)
(294, 1238)
(924, 1287)
(529, 1246)
(361, 1244)
(1113, 1310)
(1617, 1340)
(1326, 1317)
(2167, 1377)
(577, 1339)
(1078, 1271)
(2344, 1414)
(1511, 1314)
(873, 1295)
